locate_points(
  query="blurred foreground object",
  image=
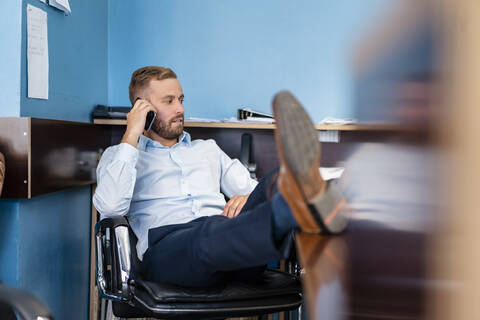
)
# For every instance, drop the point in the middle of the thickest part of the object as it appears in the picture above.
(397, 67)
(414, 240)
(396, 187)
(456, 257)
(26, 305)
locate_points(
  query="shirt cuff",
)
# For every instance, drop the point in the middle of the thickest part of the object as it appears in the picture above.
(126, 152)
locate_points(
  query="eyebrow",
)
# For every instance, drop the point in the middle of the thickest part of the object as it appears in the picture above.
(170, 96)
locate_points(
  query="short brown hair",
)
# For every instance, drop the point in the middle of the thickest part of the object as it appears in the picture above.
(141, 78)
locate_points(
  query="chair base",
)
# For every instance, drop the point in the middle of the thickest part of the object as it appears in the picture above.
(209, 311)
(273, 292)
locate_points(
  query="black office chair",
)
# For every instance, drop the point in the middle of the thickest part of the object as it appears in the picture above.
(119, 279)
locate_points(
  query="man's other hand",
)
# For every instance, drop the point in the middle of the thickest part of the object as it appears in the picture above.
(234, 206)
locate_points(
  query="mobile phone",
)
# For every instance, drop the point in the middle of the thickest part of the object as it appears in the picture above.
(150, 118)
(149, 121)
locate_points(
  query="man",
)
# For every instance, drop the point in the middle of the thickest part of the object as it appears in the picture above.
(169, 186)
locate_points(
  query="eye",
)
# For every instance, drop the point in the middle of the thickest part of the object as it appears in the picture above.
(181, 99)
(169, 101)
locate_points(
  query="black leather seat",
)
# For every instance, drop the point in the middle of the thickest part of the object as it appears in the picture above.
(119, 279)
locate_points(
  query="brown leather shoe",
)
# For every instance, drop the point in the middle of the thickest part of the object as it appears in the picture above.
(315, 204)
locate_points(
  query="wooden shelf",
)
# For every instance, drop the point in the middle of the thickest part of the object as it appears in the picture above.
(44, 155)
(236, 125)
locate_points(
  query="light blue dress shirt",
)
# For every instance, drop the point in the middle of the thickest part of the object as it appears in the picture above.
(156, 185)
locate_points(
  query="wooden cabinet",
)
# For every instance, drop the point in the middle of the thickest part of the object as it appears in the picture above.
(43, 156)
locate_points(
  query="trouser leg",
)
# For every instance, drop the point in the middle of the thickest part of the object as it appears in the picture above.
(263, 192)
(207, 250)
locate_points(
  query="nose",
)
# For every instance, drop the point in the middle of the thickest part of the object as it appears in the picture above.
(179, 107)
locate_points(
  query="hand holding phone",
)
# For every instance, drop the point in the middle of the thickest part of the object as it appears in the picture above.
(141, 110)
(149, 119)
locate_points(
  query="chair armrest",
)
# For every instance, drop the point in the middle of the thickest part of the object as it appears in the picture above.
(113, 222)
(113, 254)
(24, 303)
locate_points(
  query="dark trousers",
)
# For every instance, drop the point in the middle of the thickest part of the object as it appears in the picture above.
(211, 249)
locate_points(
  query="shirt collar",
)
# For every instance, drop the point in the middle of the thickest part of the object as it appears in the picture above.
(145, 142)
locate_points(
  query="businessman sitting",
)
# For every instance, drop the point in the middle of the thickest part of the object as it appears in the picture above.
(170, 188)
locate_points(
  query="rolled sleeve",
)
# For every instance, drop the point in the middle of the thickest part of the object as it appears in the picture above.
(116, 175)
(235, 178)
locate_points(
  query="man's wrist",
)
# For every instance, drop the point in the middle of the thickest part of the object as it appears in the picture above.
(131, 139)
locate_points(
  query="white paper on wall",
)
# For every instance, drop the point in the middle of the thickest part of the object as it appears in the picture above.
(37, 53)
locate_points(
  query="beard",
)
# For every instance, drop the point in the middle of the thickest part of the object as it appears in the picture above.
(168, 129)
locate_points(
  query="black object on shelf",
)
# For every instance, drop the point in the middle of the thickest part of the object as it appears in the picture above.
(245, 154)
(104, 112)
(246, 113)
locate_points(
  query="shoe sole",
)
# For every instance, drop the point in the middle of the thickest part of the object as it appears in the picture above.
(296, 133)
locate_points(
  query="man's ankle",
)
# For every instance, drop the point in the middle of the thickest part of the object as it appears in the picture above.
(282, 218)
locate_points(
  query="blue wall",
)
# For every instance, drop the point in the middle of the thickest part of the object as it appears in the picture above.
(229, 54)
(77, 46)
(54, 250)
(11, 20)
(45, 241)
(9, 242)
